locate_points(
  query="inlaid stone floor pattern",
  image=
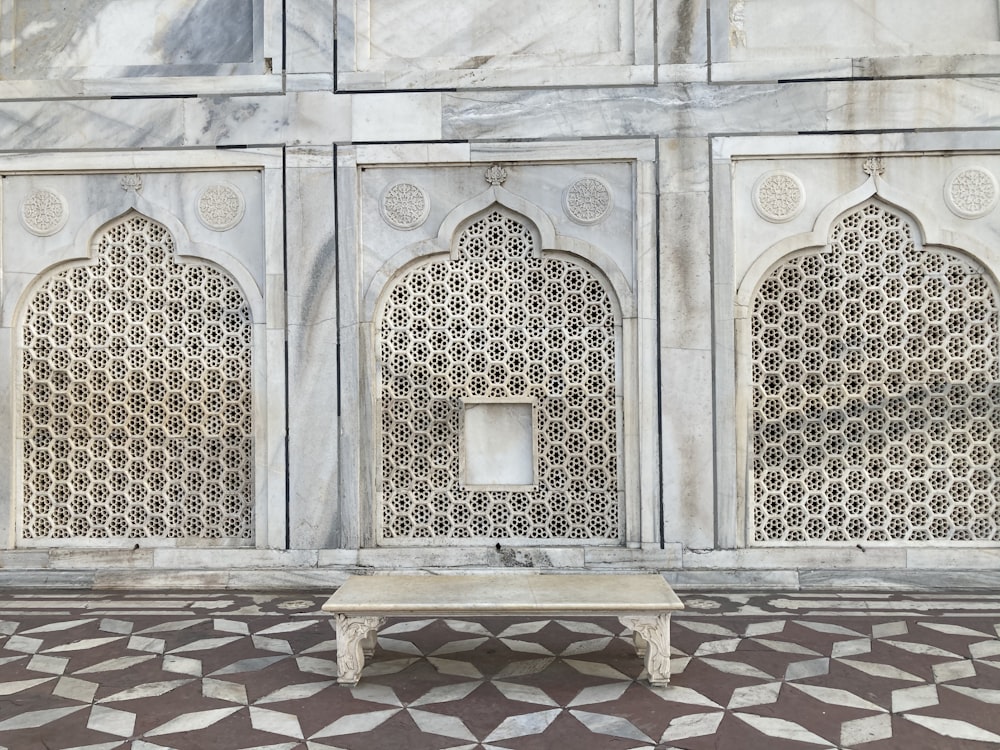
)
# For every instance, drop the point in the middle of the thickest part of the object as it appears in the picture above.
(231, 672)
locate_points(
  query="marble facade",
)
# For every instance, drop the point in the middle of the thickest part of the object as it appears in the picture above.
(321, 155)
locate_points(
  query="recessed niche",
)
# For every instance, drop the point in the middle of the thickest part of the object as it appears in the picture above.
(498, 443)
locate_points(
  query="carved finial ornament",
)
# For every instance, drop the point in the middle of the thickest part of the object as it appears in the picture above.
(496, 175)
(874, 165)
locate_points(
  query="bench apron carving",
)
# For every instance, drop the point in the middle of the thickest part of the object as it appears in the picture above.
(642, 603)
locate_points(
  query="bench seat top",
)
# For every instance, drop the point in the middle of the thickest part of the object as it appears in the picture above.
(504, 594)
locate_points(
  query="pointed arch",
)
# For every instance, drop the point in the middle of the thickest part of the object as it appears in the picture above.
(136, 395)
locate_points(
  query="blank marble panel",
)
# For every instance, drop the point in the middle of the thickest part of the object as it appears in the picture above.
(449, 43)
(498, 443)
(800, 38)
(100, 38)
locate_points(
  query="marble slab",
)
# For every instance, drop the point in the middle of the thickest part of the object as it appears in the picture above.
(409, 44)
(504, 594)
(787, 39)
(78, 40)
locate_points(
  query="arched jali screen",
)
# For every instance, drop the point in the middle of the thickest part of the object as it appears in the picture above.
(875, 394)
(497, 395)
(137, 396)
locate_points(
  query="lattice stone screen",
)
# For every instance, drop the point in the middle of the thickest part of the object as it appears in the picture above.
(137, 409)
(498, 322)
(876, 403)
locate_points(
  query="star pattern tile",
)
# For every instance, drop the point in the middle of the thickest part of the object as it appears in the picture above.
(92, 671)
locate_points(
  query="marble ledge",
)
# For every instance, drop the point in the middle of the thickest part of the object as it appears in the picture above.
(900, 580)
(772, 558)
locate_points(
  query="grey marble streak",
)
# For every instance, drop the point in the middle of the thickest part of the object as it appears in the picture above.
(86, 124)
(681, 109)
(61, 34)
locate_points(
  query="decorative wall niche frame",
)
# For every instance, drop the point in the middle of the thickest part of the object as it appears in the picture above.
(469, 311)
(410, 44)
(147, 390)
(865, 331)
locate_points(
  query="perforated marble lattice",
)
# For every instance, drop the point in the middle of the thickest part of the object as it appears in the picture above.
(137, 408)
(500, 322)
(876, 402)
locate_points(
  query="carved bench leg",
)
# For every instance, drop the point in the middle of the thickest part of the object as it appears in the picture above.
(355, 639)
(654, 632)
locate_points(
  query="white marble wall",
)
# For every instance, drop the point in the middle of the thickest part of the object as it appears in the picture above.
(678, 106)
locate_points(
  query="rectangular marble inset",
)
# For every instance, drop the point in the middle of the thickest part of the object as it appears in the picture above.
(839, 28)
(498, 443)
(841, 38)
(97, 38)
(414, 28)
(405, 44)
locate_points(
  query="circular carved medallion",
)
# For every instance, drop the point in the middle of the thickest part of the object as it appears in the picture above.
(971, 193)
(778, 196)
(588, 200)
(221, 206)
(404, 205)
(44, 212)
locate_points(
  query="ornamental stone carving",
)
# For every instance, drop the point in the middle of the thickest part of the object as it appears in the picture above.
(588, 200)
(131, 182)
(971, 193)
(778, 196)
(405, 205)
(221, 206)
(44, 212)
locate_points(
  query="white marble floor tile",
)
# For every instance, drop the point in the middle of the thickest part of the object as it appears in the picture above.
(922, 648)
(599, 694)
(446, 694)
(523, 667)
(192, 722)
(276, 722)
(121, 627)
(613, 726)
(984, 695)
(889, 629)
(111, 721)
(876, 669)
(961, 730)
(523, 725)
(692, 725)
(596, 669)
(786, 647)
(524, 647)
(590, 646)
(764, 628)
(147, 690)
(907, 699)
(74, 689)
(144, 643)
(584, 628)
(294, 692)
(254, 664)
(182, 665)
(837, 697)
(853, 647)
(727, 646)
(867, 729)
(754, 695)
(48, 664)
(357, 723)
(33, 719)
(12, 688)
(782, 728)
(802, 670)
(457, 647)
(205, 644)
(455, 667)
(446, 726)
(954, 670)
(115, 665)
(522, 628)
(737, 668)
(525, 693)
(224, 691)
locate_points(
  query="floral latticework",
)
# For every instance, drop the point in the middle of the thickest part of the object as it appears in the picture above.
(498, 322)
(137, 396)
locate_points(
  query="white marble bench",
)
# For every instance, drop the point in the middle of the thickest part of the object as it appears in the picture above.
(642, 602)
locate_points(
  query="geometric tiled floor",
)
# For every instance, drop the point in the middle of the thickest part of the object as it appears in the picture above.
(224, 671)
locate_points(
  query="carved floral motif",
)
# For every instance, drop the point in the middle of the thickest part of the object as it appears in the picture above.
(778, 196)
(588, 200)
(131, 182)
(220, 206)
(44, 212)
(971, 193)
(405, 206)
(496, 175)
